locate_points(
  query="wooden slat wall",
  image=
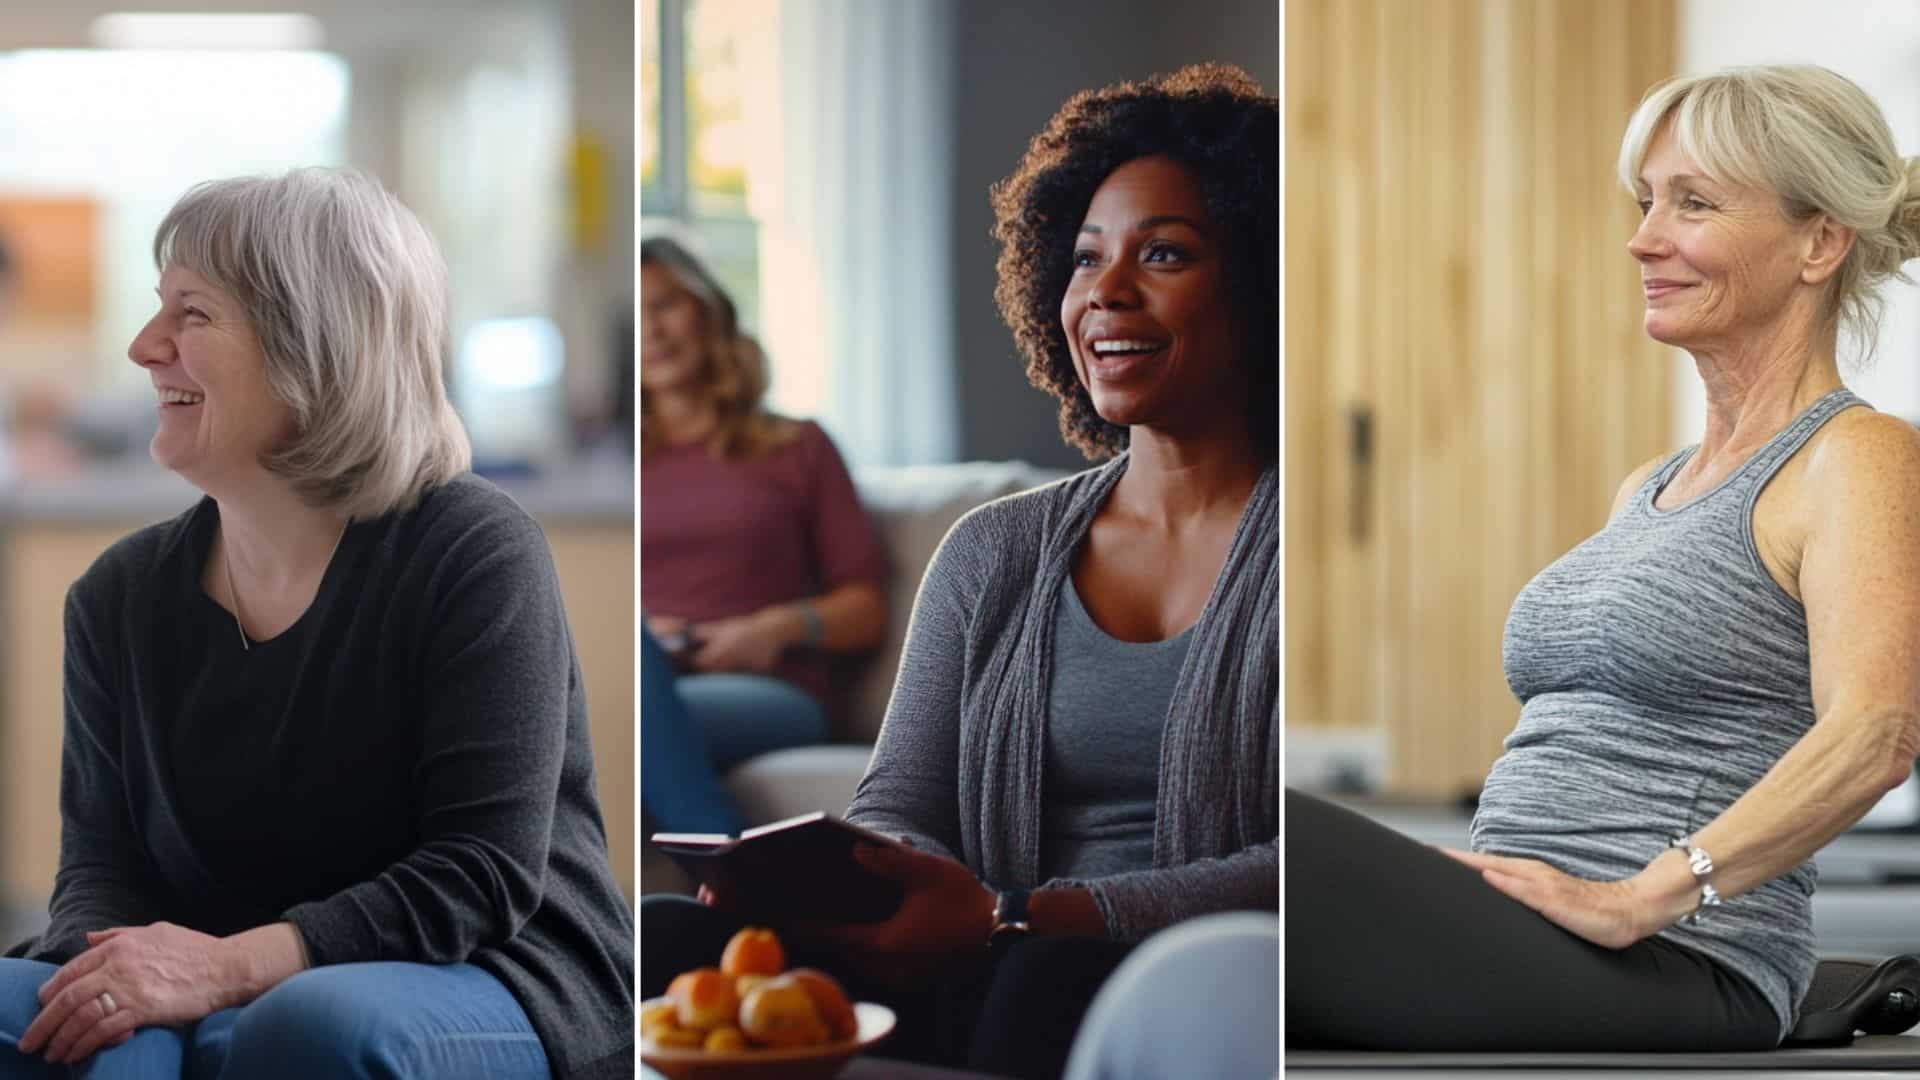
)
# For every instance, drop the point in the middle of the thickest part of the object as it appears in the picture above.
(1456, 265)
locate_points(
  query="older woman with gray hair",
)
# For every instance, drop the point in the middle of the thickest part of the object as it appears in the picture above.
(327, 796)
(1714, 685)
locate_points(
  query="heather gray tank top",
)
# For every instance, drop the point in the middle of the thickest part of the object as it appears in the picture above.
(1661, 671)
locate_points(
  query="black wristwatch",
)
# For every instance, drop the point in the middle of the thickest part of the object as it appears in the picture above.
(1010, 919)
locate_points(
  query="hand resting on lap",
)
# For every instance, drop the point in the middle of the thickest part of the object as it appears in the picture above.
(158, 975)
(1611, 914)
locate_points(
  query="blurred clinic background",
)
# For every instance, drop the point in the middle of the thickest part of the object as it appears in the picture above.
(1468, 380)
(830, 160)
(507, 125)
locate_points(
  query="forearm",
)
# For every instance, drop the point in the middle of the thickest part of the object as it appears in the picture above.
(1066, 911)
(1134, 905)
(1819, 788)
(852, 617)
(260, 959)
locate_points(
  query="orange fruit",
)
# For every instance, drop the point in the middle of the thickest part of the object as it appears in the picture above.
(668, 1037)
(725, 1039)
(779, 1013)
(677, 989)
(753, 951)
(829, 1000)
(707, 1000)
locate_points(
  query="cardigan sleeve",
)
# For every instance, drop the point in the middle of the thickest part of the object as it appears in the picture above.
(911, 787)
(106, 877)
(497, 669)
(1136, 904)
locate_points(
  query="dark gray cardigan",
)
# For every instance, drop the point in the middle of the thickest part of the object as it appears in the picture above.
(959, 764)
(404, 774)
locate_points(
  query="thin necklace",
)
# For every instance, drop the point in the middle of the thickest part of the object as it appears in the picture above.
(226, 561)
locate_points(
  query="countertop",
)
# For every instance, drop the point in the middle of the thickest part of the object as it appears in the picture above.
(591, 492)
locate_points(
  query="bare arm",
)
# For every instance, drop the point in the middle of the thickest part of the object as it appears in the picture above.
(1860, 582)
(852, 617)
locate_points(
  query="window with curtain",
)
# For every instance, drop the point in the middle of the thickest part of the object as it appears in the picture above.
(694, 169)
(802, 148)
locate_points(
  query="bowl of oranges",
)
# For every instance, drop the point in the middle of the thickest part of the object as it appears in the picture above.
(752, 1017)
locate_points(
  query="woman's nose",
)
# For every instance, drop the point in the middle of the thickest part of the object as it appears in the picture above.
(1648, 241)
(1114, 287)
(150, 346)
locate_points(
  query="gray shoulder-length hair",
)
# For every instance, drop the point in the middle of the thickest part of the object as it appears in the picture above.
(348, 295)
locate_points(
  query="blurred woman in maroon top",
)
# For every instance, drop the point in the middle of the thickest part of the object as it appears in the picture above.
(755, 555)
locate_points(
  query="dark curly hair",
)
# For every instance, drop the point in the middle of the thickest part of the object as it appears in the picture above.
(1214, 120)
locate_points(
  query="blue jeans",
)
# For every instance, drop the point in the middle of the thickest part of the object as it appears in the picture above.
(693, 728)
(357, 1021)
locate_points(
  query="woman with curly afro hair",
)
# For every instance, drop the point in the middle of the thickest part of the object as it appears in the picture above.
(1082, 746)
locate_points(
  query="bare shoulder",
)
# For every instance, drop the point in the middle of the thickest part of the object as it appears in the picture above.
(1632, 484)
(1864, 460)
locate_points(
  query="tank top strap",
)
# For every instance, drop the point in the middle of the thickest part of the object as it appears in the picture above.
(1769, 458)
(1664, 471)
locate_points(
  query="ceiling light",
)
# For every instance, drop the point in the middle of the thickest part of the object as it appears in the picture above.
(129, 30)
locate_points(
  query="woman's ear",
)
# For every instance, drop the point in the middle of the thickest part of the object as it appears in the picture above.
(1827, 247)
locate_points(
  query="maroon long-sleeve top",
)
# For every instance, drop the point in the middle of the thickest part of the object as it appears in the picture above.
(722, 538)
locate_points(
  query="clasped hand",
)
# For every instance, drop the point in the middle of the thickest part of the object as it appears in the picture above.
(749, 643)
(128, 978)
(1611, 914)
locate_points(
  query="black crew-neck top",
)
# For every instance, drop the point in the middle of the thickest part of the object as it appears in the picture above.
(403, 774)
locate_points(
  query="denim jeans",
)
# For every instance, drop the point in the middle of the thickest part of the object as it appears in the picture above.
(344, 1022)
(693, 728)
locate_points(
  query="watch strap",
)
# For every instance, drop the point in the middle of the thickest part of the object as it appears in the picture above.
(1010, 918)
(1701, 865)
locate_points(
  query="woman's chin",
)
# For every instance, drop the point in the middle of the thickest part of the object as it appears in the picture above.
(173, 458)
(1665, 332)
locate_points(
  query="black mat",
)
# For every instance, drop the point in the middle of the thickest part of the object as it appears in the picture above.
(1867, 1052)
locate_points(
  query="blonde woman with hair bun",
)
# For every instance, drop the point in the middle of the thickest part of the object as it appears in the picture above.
(327, 797)
(1713, 686)
(756, 557)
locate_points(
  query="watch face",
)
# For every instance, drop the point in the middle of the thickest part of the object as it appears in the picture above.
(1006, 932)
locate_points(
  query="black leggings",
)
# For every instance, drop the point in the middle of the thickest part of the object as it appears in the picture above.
(1012, 1016)
(1392, 945)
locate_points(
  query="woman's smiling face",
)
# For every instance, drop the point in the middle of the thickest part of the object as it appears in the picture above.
(218, 415)
(1146, 313)
(1720, 263)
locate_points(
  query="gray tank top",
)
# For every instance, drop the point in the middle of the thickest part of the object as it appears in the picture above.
(1106, 714)
(1661, 671)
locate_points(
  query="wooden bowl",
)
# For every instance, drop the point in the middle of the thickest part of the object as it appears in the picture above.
(820, 1062)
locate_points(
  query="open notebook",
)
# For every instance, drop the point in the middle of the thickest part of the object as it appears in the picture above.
(801, 868)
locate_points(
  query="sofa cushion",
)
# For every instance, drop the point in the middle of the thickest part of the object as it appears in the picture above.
(788, 783)
(913, 506)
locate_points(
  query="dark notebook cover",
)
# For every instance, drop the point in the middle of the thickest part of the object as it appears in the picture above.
(798, 869)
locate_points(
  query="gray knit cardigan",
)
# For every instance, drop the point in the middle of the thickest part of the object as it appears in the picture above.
(959, 765)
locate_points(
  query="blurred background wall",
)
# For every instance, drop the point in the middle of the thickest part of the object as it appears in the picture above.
(832, 159)
(1468, 380)
(507, 125)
